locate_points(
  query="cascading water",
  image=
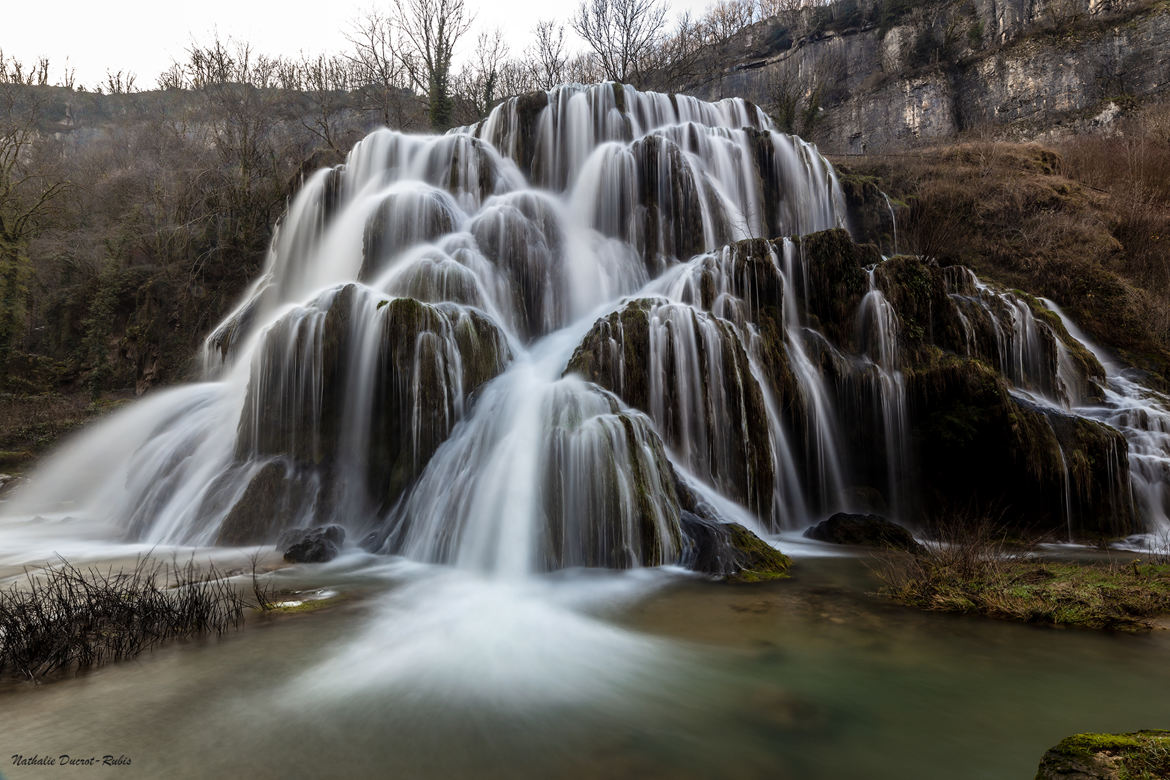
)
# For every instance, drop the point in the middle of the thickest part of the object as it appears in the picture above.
(426, 272)
(562, 337)
(1143, 417)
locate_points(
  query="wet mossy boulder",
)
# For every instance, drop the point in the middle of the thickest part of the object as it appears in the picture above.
(610, 496)
(521, 236)
(1096, 460)
(836, 281)
(871, 213)
(864, 531)
(982, 450)
(311, 545)
(263, 509)
(917, 289)
(730, 551)
(423, 363)
(521, 125)
(670, 204)
(1138, 754)
(404, 219)
(689, 371)
(431, 359)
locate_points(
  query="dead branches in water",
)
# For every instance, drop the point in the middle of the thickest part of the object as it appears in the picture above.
(63, 618)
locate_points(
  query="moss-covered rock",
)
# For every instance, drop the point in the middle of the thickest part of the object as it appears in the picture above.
(430, 360)
(521, 237)
(311, 545)
(731, 551)
(864, 530)
(608, 489)
(404, 218)
(981, 449)
(872, 217)
(690, 373)
(520, 124)
(670, 204)
(836, 281)
(918, 291)
(425, 361)
(262, 511)
(1138, 755)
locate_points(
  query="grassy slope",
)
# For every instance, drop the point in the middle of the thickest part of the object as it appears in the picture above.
(1088, 227)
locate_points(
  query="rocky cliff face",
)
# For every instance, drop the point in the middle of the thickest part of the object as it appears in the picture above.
(862, 75)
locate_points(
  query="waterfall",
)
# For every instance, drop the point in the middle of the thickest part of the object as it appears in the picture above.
(569, 335)
(878, 336)
(1143, 417)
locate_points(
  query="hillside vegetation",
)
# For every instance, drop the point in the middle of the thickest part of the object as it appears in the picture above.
(1084, 221)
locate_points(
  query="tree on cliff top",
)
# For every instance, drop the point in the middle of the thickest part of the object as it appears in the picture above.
(623, 33)
(432, 28)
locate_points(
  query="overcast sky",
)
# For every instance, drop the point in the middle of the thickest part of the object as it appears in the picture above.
(144, 36)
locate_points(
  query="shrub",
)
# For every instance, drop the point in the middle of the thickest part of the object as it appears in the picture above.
(62, 618)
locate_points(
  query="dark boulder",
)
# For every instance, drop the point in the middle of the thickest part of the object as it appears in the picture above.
(260, 511)
(982, 449)
(865, 531)
(311, 545)
(719, 428)
(730, 551)
(1108, 756)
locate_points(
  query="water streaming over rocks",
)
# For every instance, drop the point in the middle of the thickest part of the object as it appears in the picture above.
(584, 329)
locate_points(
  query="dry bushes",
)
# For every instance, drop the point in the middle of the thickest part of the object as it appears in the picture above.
(1132, 165)
(972, 569)
(64, 618)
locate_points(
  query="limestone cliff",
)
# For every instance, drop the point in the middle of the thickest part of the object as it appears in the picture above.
(863, 75)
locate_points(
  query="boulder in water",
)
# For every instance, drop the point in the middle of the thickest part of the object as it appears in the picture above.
(311, 545)
(865, 531)
(258, 513)
(1108, 756)
(730, 551)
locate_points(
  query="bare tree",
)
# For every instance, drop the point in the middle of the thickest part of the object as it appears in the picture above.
(677, 57)
(174, 77)
(30, 179)
(68, 76)
(770, 8)
(479, 81)
(622, 33)
(546, 58)
(584, 69)
(14, 71)
(433, 28)
(727, 17)
(516, 78)
(327, 80)
(380, 72)
(120, 82)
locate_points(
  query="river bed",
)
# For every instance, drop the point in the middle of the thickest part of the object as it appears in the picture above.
(425, 672)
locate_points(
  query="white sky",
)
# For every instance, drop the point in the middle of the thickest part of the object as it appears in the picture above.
(144, 36)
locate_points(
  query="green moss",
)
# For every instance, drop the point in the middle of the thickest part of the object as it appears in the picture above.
(1122, 597)
(761, 562)
(14, 459)
(1139, 755)
(308, 605)
(619, 97)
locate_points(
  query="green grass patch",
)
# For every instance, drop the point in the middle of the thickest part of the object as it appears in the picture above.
(1123, 596)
